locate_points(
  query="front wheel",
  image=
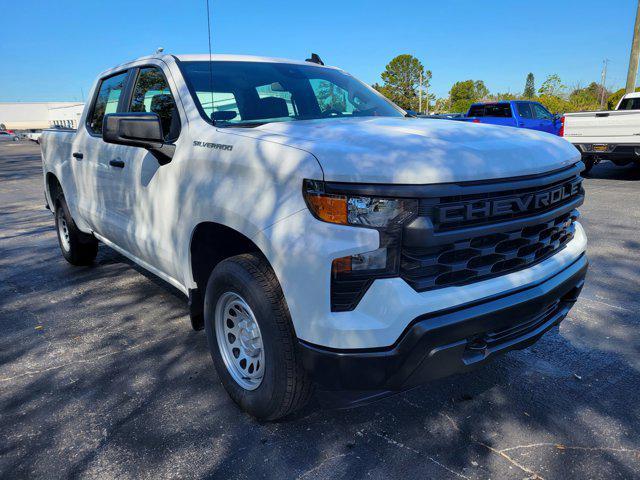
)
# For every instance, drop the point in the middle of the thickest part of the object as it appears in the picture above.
(251, 338)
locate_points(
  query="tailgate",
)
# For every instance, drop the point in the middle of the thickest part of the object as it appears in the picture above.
(603, 127)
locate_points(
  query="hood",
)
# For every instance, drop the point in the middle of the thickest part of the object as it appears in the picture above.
(420, 151)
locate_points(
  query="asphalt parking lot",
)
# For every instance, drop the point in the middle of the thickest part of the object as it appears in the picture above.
(101, 375)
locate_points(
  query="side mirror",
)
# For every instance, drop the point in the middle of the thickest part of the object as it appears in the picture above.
(138, 129)
(410, 113)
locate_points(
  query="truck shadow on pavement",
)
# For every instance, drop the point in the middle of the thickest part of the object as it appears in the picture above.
(101, 376)
(607, 170)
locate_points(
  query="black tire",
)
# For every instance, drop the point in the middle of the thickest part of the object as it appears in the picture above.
(285, 386)
(78, 248)
(588, 164)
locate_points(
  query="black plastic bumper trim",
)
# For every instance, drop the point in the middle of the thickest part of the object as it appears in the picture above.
(455, 340)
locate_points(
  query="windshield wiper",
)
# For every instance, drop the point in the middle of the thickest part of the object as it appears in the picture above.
(241, 125)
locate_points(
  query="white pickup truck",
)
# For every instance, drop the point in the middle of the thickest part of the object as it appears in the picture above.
(612, 135)
(321, 235)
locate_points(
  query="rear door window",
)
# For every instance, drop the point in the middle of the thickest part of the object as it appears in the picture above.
(106, 101)
(524, 110)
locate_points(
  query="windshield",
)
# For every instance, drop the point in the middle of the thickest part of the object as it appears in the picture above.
(253, 93)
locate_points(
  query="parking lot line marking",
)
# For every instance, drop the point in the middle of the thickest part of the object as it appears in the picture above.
(570, 447)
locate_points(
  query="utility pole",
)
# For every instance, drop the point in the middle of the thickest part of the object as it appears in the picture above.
(420, 95)
(603, 81)
(633, 58)
(426, 91)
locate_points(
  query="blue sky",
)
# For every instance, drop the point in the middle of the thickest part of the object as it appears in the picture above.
(52, 50)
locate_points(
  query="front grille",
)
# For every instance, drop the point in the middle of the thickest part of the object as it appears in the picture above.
(430, 206)
(485, 256)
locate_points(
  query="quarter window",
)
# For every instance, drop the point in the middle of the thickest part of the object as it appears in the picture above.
(152, 94)
(106, 100)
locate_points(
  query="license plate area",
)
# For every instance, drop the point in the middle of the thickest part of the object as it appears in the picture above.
(601, 147)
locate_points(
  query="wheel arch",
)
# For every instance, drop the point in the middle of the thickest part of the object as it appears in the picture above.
(53, 189)
(210, 244)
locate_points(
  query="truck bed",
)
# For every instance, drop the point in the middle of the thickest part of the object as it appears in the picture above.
(612, 126)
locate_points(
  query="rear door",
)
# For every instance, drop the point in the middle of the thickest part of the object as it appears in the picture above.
(526, 118)
(96, 165)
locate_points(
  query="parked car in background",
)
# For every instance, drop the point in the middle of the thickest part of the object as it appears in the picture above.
(34, 136)
(612, 135)
(447, 116)
(515, 113)
(8, 137)
(319, 237)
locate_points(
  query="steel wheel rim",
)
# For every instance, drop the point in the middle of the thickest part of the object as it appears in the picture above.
(239, 340)
(63, 232)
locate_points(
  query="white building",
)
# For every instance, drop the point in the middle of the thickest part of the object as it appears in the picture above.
(39, 115)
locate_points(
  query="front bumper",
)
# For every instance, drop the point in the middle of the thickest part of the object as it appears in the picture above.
(455, 340)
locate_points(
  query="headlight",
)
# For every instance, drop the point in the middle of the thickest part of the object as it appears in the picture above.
(352, 275)
(359, 211)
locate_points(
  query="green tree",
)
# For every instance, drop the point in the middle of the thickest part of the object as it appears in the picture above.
(463, 94)
(587, 98)
(502, 96)
(529, 87)
(401, 79)
(552, 86)
(555, 104)
(441, 105)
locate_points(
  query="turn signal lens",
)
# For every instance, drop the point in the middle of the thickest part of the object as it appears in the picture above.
(341, 265)
(330, 208)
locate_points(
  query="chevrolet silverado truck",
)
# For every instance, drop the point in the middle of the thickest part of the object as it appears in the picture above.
(321, 236)
(514, 113)
(612, 135)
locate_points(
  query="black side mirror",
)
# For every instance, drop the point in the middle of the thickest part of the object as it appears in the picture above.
(138, 129)
(411, 113)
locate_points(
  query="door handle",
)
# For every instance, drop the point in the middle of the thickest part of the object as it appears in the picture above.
(116, 163)
(77, 155)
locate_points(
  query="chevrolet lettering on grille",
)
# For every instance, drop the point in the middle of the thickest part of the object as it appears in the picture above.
(518, 204)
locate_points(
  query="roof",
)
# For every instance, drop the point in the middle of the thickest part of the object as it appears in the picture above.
(632, 95)
(203, 57)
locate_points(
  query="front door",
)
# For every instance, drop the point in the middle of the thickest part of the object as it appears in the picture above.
(545, 119)
(148, 204)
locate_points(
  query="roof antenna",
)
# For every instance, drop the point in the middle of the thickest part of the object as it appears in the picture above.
(159, 50)
(210, 63)
(315, 59)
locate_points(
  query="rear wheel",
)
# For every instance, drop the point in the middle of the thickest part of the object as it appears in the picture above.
(77, 247)
(251, 338)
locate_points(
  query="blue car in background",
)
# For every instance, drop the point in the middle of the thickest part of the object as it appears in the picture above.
(514, 113)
